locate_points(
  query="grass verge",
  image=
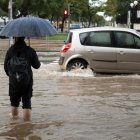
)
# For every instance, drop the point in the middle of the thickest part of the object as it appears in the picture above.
(58, 37)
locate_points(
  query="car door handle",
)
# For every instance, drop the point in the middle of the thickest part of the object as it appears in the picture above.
(121, 52)
(91, 51)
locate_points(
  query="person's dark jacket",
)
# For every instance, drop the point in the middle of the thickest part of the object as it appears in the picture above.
(22, 48)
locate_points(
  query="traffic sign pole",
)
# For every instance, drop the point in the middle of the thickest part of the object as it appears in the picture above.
(68, 17)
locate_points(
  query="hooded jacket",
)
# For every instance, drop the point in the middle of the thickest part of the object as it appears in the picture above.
(20, 48)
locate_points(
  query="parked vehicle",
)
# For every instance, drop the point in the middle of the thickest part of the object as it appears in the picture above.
(3, 37)
(1, 27)
(75, 26)
(103, 49)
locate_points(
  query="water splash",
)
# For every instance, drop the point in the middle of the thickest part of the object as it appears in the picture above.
(53, 69)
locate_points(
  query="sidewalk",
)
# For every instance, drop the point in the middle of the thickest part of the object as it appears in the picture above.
(38, 44)
(46, 49)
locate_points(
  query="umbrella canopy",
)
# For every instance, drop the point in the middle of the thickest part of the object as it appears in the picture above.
(28, 27)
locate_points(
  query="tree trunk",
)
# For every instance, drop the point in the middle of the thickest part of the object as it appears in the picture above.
(62, 26)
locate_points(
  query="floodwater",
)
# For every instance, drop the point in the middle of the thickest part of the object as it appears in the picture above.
(75, 106)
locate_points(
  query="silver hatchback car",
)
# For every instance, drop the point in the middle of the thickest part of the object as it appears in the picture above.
(103, 49)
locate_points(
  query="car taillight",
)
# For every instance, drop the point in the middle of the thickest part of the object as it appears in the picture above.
(66, 48)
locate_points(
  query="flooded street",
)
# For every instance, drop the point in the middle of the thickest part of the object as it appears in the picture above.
(75, 106)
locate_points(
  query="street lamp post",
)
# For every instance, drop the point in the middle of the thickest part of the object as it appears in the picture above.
(133, 6)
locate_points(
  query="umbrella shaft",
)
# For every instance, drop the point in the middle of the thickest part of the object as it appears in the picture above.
(11, 41)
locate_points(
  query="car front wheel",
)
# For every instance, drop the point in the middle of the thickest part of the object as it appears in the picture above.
(77, 64)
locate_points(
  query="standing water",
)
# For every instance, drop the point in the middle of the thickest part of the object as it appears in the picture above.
(75, 105)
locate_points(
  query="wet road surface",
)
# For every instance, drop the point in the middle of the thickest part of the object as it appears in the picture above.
(75, 106)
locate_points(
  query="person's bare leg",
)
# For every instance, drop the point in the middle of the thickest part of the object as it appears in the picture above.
(27, 114)
(14, 112)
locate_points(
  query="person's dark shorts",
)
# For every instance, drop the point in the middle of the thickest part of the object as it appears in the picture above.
(24, 95)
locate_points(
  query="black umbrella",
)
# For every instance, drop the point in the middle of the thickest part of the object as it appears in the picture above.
(28, 27)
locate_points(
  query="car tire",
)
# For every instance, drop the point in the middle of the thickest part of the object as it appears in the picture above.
(76, 64)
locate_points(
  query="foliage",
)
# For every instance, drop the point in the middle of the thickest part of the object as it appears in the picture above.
(117, 8)
(86, 11)
(53, 10)
(3, 8)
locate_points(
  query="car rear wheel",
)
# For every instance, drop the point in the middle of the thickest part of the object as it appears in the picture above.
(77, 64)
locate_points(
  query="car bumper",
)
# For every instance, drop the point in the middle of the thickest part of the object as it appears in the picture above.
(61, 63)
(61, 60)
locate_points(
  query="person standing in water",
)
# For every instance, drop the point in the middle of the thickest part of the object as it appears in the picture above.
(18, 62)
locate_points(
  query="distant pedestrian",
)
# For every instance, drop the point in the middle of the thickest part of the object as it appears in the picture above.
(17, 65)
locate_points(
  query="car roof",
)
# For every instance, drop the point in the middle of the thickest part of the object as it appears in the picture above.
(105, 28)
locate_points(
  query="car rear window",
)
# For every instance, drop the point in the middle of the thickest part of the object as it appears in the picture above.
(69, 38)
(83, 37)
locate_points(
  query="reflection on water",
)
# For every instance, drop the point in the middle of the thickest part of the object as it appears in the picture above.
(23, 130)
(76, 105)
(19, 131)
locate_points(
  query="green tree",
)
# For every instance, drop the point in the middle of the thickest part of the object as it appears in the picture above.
(3, 10)
(57, 11)
(86, 11)
(117, 8)
(53, 9)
